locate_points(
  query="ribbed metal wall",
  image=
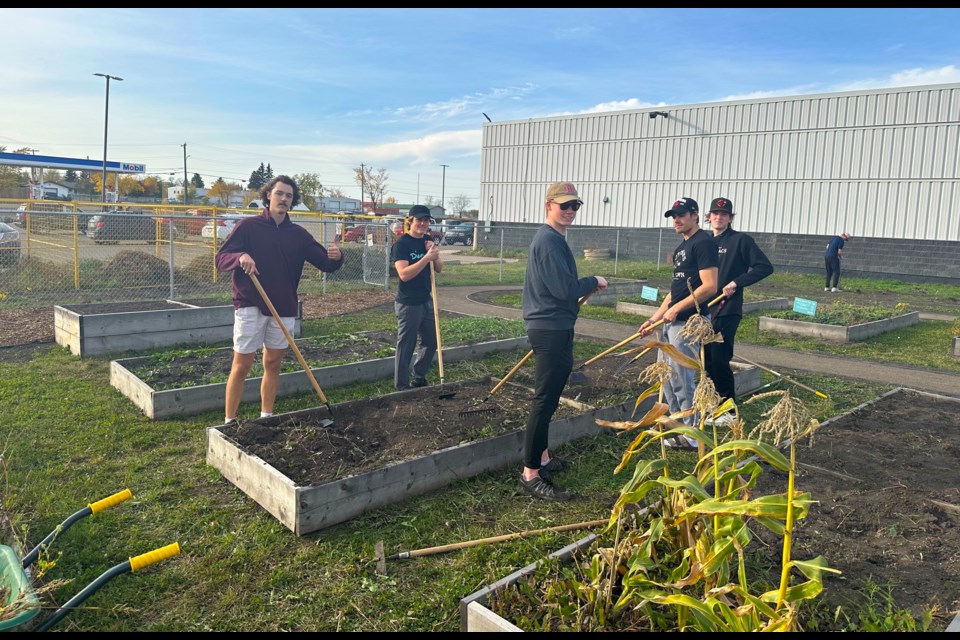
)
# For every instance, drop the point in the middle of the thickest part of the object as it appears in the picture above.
(882, 163)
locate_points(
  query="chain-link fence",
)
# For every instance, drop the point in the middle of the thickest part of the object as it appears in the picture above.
(67, 253)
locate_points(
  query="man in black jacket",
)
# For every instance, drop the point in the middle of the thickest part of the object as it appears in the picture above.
(741, 264)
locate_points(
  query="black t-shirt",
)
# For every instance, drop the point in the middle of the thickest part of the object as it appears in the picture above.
(416, 291)
(695, 253)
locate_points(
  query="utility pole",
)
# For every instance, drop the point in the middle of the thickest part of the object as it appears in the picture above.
(443, 186)
(363, 172)
(185, 190)
(106, 120)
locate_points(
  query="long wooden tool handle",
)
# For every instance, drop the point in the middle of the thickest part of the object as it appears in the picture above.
(509, 536)
(436, 319)
(293, 345)
(637, 335)
(787, 378)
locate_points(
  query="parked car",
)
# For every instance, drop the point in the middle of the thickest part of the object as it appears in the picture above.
(46, 217)
(130, 224)
(192, 225)
(9, 245)
(224, 226)
(459, 234)
(356, 233)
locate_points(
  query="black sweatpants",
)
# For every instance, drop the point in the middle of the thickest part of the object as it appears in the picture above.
(832, 264)
(553, 351)
(717, 356)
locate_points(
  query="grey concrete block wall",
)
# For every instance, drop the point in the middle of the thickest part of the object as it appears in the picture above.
(908, 260)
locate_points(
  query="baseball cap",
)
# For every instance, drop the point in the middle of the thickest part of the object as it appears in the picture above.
(561, 192)
(721, 205)
(419, 211)
(683, 206)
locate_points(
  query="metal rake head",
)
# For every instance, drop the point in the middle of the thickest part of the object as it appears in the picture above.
(473, 412)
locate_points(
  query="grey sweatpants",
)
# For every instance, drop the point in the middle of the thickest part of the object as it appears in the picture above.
(413, 321)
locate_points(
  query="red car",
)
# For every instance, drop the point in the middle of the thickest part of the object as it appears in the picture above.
(356, 233)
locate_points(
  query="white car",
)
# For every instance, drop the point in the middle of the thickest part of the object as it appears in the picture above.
(224, 226)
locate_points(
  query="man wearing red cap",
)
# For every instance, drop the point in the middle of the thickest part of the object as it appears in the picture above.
(741, 263)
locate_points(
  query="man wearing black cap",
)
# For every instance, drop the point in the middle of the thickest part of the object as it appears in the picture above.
(412, 255)
(741, 264)
(694, 262)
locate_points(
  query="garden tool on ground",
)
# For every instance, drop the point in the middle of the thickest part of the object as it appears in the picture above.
(293, 345)
(436, 321)
(783, 377)
(472, 543)
(20, 601)
(635, 336)
(516, 368)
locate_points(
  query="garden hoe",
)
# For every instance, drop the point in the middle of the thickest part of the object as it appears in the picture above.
(293, 345)
(436, 321)
(572, 380)
(381, 560)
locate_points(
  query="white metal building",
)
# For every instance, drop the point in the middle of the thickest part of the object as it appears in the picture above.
(879, 164)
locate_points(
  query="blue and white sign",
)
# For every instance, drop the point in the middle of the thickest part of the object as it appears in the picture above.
(648, 293)
(804, 306)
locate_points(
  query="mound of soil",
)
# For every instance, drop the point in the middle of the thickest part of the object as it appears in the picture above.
(887, 485)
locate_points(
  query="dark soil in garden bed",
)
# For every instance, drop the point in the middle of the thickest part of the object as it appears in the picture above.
(194, 367)
(374, 433)
(123, 307)
(887, 481)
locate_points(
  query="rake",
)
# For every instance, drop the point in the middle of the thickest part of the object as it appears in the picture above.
(516, 367)
(635, 336)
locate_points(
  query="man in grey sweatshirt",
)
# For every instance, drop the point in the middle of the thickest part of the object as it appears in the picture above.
(551, 294)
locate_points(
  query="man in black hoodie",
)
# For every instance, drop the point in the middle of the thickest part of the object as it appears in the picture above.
(741, 264)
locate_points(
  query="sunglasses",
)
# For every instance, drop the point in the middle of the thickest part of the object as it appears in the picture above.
(566, 206)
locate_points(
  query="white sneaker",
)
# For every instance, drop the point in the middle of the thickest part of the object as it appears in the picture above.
(826, 288)
(683, 443)
(835, 290)
(726, 421)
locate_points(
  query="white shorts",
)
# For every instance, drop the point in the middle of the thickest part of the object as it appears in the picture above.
(252, 330)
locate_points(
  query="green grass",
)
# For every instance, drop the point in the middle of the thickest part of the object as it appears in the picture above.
(925, 344)
(77, 440)
(68, 438)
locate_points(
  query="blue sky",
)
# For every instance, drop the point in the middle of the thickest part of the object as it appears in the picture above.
(324, 90)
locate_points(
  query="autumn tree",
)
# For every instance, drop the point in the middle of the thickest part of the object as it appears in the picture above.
(223, 191)
(130, 187)
(336, 193)
(311, 189)
(372, 183)
(459, 204)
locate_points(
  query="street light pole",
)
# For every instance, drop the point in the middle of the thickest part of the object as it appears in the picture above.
(106, 120)
(443, 186)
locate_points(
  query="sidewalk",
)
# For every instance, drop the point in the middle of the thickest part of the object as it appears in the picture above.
(457, 299)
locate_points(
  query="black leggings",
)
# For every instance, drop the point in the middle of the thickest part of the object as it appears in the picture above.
(554, 354)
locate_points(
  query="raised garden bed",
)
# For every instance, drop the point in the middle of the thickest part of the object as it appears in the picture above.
(187, 393)
(837, 333)
(885, 479)
(114, 327)
(616, 288)
(380, 451)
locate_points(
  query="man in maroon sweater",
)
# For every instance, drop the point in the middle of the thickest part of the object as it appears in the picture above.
(274, 249)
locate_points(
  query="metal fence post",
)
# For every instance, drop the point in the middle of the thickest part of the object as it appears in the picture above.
(501, 255)
(659, 249)
(171, 225)
(616, 253)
